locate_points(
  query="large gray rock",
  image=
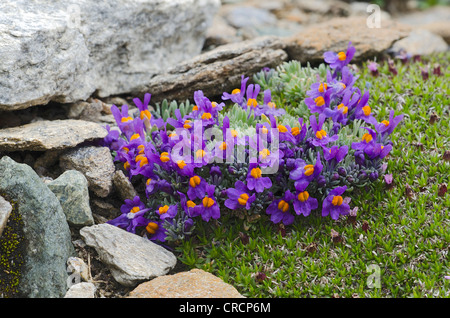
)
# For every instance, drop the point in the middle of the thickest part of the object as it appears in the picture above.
(95, 163)
(71, 188)
(131, 258)
(65, 50)
(47, 234)
(50, 135)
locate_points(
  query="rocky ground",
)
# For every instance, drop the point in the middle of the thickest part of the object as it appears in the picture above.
(55, 102)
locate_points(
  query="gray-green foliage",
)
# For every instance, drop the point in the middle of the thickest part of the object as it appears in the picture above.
(289, 83)
(166, 110)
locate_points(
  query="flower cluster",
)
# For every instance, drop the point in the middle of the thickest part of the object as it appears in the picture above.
(204, 164)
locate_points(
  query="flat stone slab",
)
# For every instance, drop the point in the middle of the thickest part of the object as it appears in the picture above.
(193, 284)
(131, 258)
(50, 135)
(312, 42)
(216, 71)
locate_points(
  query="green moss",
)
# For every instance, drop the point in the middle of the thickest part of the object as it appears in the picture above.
(11, 254)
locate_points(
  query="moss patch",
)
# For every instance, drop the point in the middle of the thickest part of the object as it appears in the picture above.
(12, 246)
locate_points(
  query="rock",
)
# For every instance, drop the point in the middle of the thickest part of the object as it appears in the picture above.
(49, 135)
(5, 212)
(89, 111)
(123, 186)
(441, 28)
(221, 33)
(95, 163)
(310, 44)
(193, 284)
(78, 268)
(421, 42)
(71, 188)
(217, 70)
(47, 234)
(132, 259)
(65, 50)
(81, 290)
(249, 17)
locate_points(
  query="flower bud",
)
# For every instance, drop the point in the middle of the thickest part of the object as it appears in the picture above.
(342, 171)
(321, 181)
(373, 176)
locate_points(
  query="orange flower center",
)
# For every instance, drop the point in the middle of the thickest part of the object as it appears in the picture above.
(207, 202)
(256, 173)
(252, 102)
(321, 133)
(344, 108)
(194, 181)
(282, 128)
(323, 87)
(164, 157)
(342, 56)
(243, 198)
(337, 200)
(367, 137)
(303, 196)
(145, 114)
(206, 116)
(163, 209)
(135, 209)
(309, 170)
(125, 119)
(320, 101)
(151, 227)
(367, 110)
(283, 206)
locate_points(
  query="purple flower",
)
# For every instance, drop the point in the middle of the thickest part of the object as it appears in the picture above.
(319, 103)
(239, 197)
(334, 204)
(252, 95)
(373, 68)
(279, 210)
(237, 95)
(269, 107)
(335, 152)
(153, 185)
(208, 208)
(155, 230)
(364, 111)
(255, 180)
(388, 178)
(317, 89)
(132, 211)
(386, 127)
(321, 137)
(377, 151)
(303, 174)
(144, 112)
(367, 140)
(166, 211)
(123, 119)
(392, 68)
(303, 203)
(197, 188)
(339, 60)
